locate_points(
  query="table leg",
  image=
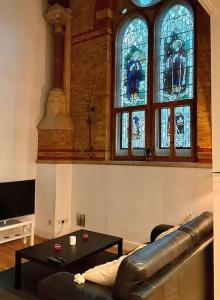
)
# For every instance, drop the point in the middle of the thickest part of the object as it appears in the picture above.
(120, 248)
(17, 271)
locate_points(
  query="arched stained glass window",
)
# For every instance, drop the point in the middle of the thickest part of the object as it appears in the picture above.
(145, 3)
(176, 55)
(133, 52)
(132, 87)
(175, 80)
(154, 107)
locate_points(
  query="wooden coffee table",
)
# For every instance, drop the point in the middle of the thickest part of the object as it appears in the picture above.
(96, 243)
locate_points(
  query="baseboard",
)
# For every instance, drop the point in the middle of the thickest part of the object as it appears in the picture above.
(48, 234)
(42, 233)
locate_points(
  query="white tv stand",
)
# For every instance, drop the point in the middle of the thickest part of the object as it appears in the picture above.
(13, 229)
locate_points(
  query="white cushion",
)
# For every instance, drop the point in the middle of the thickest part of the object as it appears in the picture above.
(104, 274)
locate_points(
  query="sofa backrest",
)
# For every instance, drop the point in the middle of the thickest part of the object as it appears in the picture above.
(146, 262)
(143, 264)
(199, 227)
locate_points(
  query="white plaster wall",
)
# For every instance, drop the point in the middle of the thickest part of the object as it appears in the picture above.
(129, 200)
(24, 82)
(216, 184)
(45, 200)
(54, 197)
(213, 7)
(215, 47)
(63, 197)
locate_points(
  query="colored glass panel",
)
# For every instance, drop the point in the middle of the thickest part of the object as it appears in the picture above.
(133, 64)
(176, 55)
(182, 127)
(145, 3)
(124, 130)
(138, 130)
(164, 128)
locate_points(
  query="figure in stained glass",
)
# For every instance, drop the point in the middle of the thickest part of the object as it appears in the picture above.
(182, 127)
(133, 64)
(137, 125)
(179, 123)
(138, 130)
(176, 55)
(176, 66)
(134, 73)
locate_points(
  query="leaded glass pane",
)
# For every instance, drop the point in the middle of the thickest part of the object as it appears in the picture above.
(133, 64)
(138, 130)
(182, 127)
(176, 55)
(164, 128)
(124, 130)
(145, 3)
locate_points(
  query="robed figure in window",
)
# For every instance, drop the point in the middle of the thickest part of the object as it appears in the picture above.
(134, 74)
(176, 69)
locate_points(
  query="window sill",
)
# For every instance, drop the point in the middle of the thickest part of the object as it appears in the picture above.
(132, 163)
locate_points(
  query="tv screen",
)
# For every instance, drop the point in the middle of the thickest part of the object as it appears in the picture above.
(17, 199)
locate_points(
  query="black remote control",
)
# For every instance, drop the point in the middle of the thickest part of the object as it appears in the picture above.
(54, 260)
(61, 259)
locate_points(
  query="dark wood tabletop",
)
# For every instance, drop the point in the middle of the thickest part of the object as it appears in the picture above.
(96, 243)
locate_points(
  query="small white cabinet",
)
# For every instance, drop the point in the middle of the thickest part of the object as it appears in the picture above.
(17, 229)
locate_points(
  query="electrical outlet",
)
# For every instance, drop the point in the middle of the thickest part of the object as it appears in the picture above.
(78, 220)
(81, 220)
(62, 221)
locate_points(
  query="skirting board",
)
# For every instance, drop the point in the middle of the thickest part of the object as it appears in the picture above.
(49, 235)
(127, 245)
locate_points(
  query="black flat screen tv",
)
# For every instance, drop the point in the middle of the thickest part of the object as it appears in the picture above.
(17, 199)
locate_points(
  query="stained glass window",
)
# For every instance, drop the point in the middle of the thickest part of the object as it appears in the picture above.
(138, 130)
(133, 64)
(164, 128)
(151, 120)
(176, 55)
(145, 3)
(124, 130)
(182, 127)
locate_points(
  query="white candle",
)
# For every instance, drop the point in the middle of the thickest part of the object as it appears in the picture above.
(72, 240)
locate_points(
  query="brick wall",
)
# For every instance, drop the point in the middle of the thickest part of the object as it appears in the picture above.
(55, 145)
(204, 126)
(91, 78)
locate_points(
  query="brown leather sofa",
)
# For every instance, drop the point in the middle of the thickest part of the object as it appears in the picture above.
(177, 267)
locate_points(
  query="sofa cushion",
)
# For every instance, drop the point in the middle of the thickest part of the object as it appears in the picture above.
(60, 286)
(147, 261)
(104, 274)
(199, 227)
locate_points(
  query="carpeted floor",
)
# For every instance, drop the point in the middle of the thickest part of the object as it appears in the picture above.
(31, 275)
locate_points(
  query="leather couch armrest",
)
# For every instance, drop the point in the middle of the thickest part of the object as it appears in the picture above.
(61, 286)
(158, 230)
